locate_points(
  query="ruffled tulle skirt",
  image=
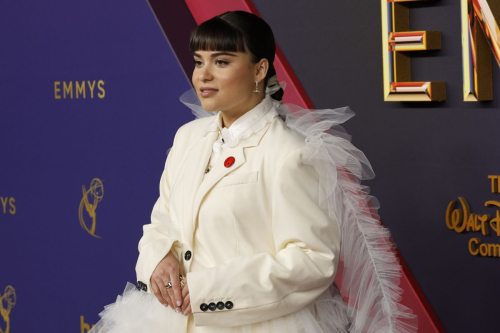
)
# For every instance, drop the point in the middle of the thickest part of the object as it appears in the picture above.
(137, 311)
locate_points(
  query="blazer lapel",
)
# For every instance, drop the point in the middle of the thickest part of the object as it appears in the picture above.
(219, 170)
(194, 168)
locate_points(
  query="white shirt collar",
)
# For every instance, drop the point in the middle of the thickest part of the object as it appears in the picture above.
(250, 122)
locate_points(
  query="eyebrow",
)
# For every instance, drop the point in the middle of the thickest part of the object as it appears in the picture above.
(216, 54)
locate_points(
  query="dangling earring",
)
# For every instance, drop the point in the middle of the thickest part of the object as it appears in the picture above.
(256, 88)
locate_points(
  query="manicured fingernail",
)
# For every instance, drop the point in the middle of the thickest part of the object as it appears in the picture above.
(166, 305)
(177, 310)
(178, 303)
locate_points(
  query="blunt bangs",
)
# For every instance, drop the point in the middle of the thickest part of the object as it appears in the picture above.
(217, 35)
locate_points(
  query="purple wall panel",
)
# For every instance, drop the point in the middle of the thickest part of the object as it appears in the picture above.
(51, 147)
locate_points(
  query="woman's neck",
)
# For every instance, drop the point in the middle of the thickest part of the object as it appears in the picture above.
(228, 117)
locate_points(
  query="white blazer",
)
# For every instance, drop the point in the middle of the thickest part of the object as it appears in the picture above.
(252, 239)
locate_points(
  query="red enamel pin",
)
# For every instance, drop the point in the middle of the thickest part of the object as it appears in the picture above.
(229, 161)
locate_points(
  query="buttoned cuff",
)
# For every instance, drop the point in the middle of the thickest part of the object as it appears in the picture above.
(205, 310)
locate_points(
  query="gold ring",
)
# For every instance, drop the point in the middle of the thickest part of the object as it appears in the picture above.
(181, 278)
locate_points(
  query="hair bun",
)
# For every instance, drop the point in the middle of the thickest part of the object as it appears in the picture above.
(274, 89)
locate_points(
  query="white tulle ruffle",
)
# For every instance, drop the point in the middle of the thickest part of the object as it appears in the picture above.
(138, 311)
(371, 271)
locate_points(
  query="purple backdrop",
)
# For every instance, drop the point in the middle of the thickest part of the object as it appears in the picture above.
(51, 147)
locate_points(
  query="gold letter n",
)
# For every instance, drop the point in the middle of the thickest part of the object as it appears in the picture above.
(480, 37)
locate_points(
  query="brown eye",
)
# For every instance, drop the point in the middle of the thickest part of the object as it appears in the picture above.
(197, 62)
(221, 62)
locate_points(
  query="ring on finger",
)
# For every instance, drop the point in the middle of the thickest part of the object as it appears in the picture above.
(168, 285)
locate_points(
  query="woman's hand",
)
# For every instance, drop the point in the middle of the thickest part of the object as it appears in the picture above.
(186, 304)
(168, 270)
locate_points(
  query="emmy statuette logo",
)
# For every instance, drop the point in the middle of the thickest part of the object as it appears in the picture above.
(90, 200)
(7, 302)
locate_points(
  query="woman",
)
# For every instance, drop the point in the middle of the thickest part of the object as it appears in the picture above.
(254, 201)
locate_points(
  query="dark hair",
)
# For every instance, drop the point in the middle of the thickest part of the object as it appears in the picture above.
(238, 31)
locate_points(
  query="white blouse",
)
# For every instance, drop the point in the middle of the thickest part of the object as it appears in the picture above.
(250, 122)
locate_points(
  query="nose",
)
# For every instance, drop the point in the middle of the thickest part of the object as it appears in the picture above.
(204, 74)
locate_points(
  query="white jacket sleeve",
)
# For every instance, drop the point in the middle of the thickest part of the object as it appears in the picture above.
(264, 286)
(161, 235)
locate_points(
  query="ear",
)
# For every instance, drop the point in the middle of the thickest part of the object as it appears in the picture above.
(261, 69)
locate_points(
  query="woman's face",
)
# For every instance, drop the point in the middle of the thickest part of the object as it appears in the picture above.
(224, 81)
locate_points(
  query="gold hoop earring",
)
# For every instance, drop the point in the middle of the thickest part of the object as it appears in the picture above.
(256, 88)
